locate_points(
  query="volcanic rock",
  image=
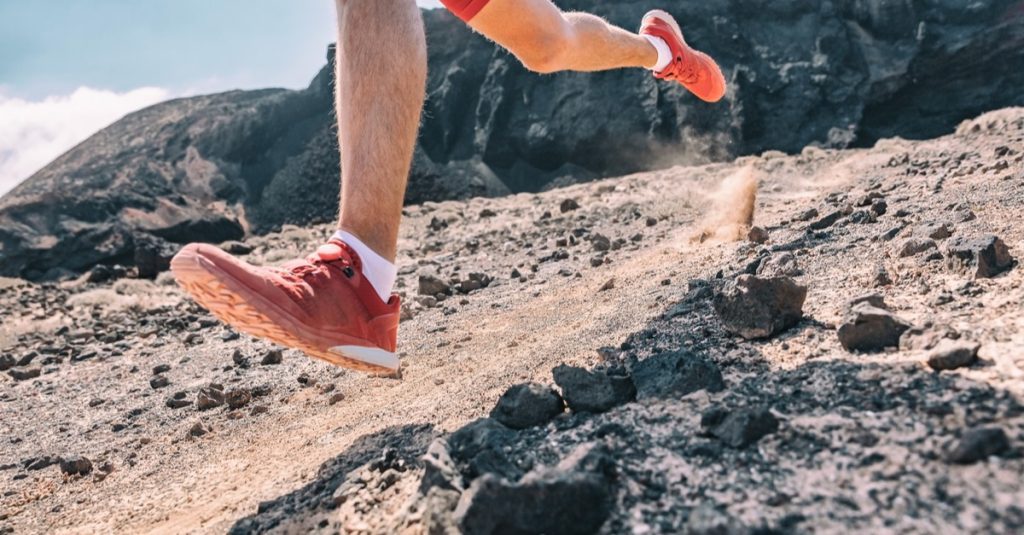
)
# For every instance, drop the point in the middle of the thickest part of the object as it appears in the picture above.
(782, 264)
(914, 246)
(757, 235)
(935, 231)
(75, 465)
(24, 374)
(950, 354)
(675, 374)
(593, 391)
(432, 285)
(979, 444)
(237, 398)
(826, 220)
(480, 445)
(527, 405)
(209, 398)
(981, 257)
(755, 307)
(739, 428)
(570, 498)
(159, 381)
(273, 357)
(868, 328)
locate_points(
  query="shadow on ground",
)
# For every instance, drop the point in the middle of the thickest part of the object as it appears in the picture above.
(309, 507)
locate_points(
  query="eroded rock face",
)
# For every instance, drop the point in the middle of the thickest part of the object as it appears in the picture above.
(800, 72)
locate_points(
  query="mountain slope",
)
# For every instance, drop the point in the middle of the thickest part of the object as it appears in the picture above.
(187, 427)
(824, 72)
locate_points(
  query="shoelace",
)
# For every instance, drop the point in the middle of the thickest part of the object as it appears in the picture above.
(684, 72)
(347, 263)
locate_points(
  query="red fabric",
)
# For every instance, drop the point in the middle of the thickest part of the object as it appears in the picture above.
(465, 9)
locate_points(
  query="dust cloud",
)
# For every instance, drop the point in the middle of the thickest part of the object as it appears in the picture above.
(732, 209)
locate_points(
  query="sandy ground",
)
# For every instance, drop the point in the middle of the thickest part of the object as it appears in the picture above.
(151, 474)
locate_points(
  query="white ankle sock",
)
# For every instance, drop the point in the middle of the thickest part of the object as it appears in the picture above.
(664, 52)
(376, 268)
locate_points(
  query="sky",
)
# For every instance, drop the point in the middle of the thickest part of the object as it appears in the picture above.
(70, 67)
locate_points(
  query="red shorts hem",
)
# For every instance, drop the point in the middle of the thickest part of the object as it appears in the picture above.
(465, 9)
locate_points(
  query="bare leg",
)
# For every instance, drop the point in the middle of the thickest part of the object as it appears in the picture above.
(379, 97)
(547, 40)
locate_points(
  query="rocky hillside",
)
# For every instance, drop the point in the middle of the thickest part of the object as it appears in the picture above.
(622, 356)
(820, 72)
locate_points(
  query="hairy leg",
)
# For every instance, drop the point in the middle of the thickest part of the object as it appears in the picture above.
(547, 40)
(379, 96)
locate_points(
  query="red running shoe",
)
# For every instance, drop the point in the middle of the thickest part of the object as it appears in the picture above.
(694, 69)
(321, 305)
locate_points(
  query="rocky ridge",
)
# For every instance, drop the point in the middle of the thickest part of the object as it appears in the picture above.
(822, 72)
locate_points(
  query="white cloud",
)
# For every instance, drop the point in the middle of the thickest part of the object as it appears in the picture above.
(33, 133)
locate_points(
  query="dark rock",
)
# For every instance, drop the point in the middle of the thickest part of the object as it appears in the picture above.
(432, 285)
(481, 446)
(593, 391)
(177, 403)
(874, 299)
(600, 242)
(236, 247)
(826, 220)
(159, 381)
(7, 362)
(574, 497)
(867, 328)
(75, 465)
(40, 463)
(782, 264)
(950, 354)
(24, 374)
(197, 430)
(439, 469)
(209, 398)
(880, 277)
(527, 405)
(238, 397)
(161, 368)
(273, 357)
(935, 231)
(757, 235)
(979, 444)
(739, 428)
(99, 273)
(914, 246)
(981, 257)
(879, 208)
(754, 307)
(153, 256)
(568, 205)
(807, 215)
(675, 374)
